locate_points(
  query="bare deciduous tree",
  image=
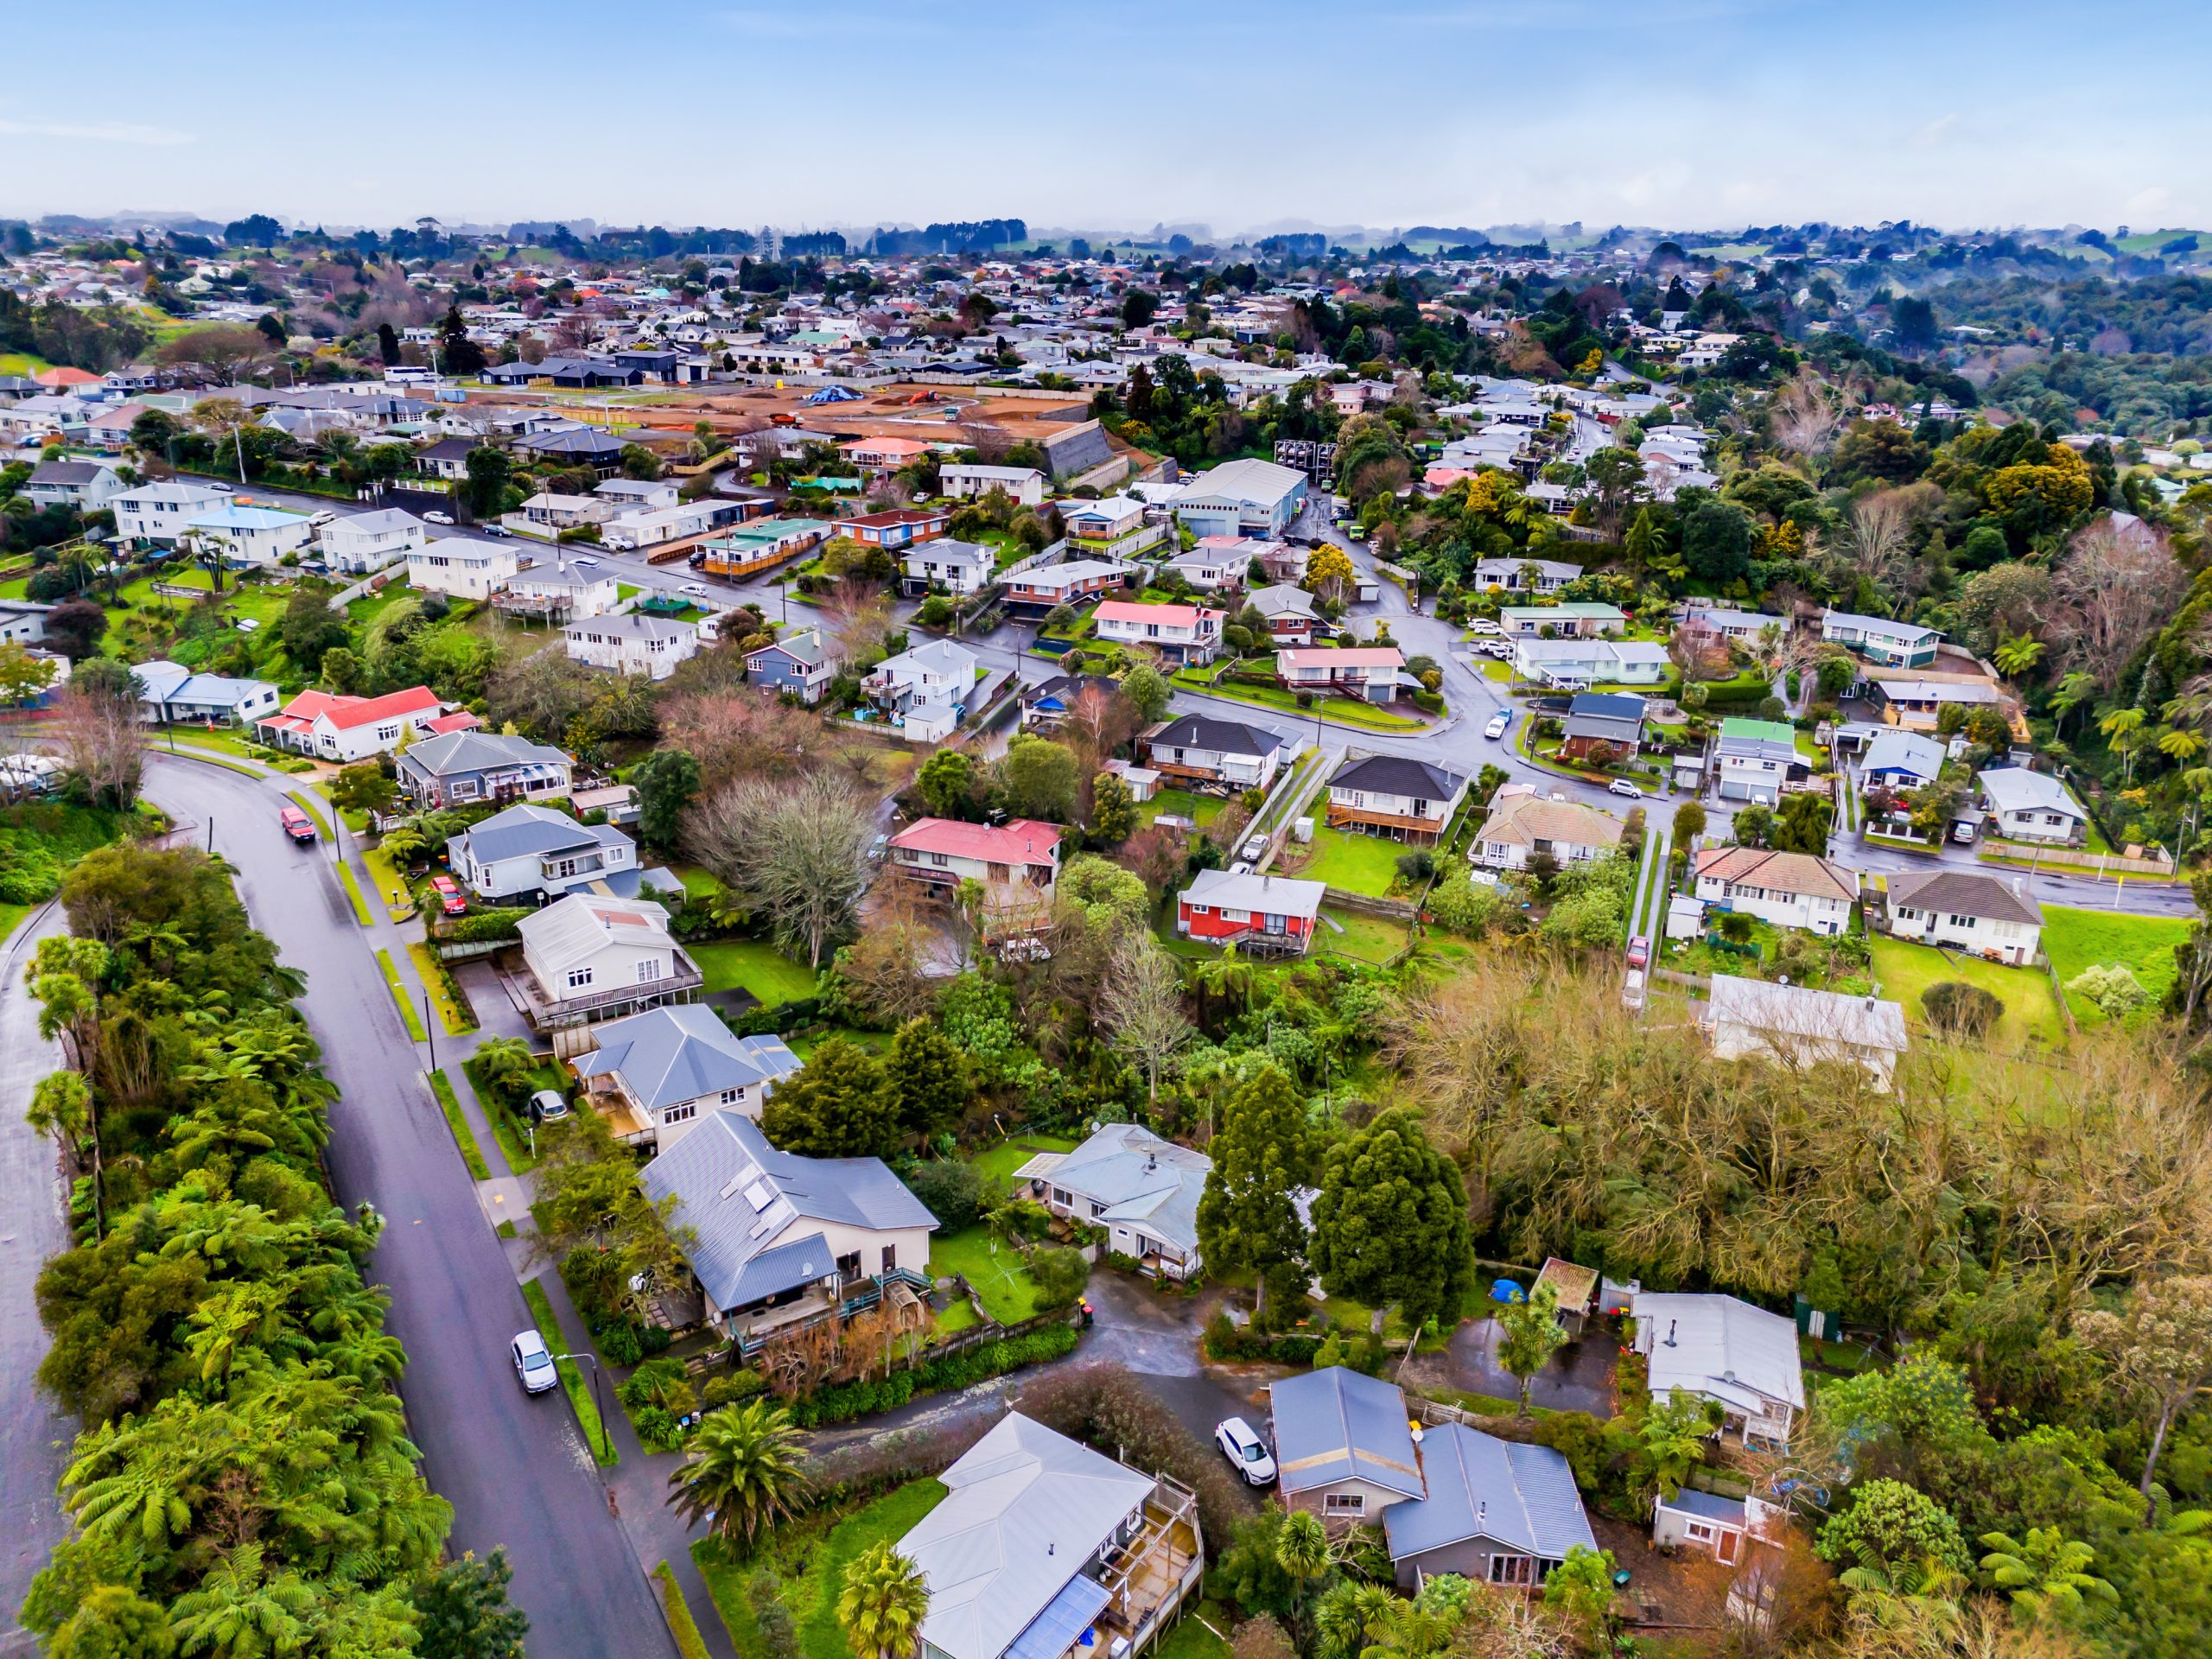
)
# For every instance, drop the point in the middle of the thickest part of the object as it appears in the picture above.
(2116, 587)
(1805, 416)
(102, 741)
(882, 973)
(742, 735)
(1878, 545)
(798, 849)
(1142, 1004)
(860, 621)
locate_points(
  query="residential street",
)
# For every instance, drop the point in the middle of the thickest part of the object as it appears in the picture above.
(33, 1437)
(514, 1468)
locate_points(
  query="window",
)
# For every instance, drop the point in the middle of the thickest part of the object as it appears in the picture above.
(682, 1114)
(1961, 921)
(648, 970)
(731, 1096)
(1343, 1503)
(579, 978)
(1512, 1569)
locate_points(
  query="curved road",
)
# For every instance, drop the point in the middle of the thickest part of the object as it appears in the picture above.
(515, 1469)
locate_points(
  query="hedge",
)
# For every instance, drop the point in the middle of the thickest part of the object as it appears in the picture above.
(781, 1018)
(1246, 1344)
(1719, 692)
(979, 1364)
(482, 924)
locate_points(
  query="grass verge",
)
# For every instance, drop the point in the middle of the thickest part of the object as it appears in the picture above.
(450, 1013)
(457, 1121)
(398, 988)
(194, 752)
(354, 891)
(681, 1624)
(572, 1377)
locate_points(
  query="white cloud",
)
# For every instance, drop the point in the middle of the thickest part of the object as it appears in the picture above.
(98, 132)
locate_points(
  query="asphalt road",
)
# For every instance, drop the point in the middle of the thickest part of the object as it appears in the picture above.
(33, 1437)
(515, 1469)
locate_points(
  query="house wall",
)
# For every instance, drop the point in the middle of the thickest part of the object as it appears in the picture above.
(1213, 922)
(2014, 942)
(1314, 1500)
(2035, 824)
(1472, 1560)
(911, 1244)
(1731, 1041)
(509, 877)
(1745, 779)
(1670, 1529)
(1814, 915)
(614, 968)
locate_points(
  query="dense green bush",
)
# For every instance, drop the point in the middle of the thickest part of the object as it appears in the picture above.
(479, 925)
(843, 1400)
(1060, 1274)
(781, 1018)
(1226, 1342)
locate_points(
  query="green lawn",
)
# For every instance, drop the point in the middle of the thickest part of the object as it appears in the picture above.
(457, 1121)
(400, 995)
(994, 1269)
(1193, 1636)
(756, 966)
(2074, 940)
(1001, 1161)
(2030, 1017)
(426, 968)
(1343, 711)
(1350, 863)
(811, 1564)
(1370, 939)
(1201, 809)
(353, 892)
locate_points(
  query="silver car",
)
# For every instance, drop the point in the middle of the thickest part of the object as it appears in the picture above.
(533, 1362)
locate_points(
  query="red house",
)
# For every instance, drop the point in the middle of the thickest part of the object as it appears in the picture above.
(1255, 913)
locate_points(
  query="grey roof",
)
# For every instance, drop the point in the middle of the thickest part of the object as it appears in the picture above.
(1606, 705)
(1720, 1347)
(804, 647)
(635, 626)
(946, 551)
(1709, 1506)
(66, 472)
(528, 831)
(1335, 1424)
(668, 1056)
(1895, 749)
(739, 1196)
(1025, 1510)
(2015, 788)
(1222, 736)
(1807, 1015)
(1138, 1177)
(449, 753)
(1398, 775)
(1521, 1497)
(1283, 599)
(785, 1267)
(1963, 892)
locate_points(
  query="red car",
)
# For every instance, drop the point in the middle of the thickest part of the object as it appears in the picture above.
(449, 897)
(297, 823)
(1639, 951)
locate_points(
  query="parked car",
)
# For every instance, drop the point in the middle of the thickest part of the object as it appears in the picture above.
(1639, 951)
(451, 899)
(1500, 723)
(1482, 627)
(317, 520)
(1253, 847)
(697, 561)
(693, 590)
(499, 530)
(297, 823)
(1633, 990)
(548, 1106)
(1621, 787)
(533, 1362)
(435, 517)
(1245, 1449)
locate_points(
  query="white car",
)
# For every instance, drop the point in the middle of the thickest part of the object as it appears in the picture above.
(1482, 628)
(1621, 786)
(1499, 725)
(1244, 1448)
(695, 589)
(533, 1362)
(434, 517)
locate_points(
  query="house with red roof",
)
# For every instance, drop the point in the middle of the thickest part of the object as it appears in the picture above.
(1017, 864)
(65, 378)
(1181, 633)
(331, 726)
(881, 454)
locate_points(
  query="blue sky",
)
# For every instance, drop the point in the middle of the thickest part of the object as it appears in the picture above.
(1236, 113)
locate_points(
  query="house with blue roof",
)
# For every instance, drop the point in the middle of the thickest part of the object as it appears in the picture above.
(1343, 1449)
(171, 693)
(535, 852)
(655, 1075)
(1704, 1521)
(250, 535)
(1142, 1189)
(777, 1242)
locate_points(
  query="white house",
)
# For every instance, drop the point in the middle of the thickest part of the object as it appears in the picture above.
(527, 850)
(1143, 1190)
(1880, 639)
(1523, 575)
(1024, 486)
(1016, 863)
(1524, 824)
(1754, 758)
(171, 692)
(364, 541)
(462, 567)
(345, 729)
(2032, 806)
(1589, 662)
(588, 957)
(1964, 910)
(939, 672)
(1225, 754)
(1788, 889)
(1214, 564)
(250, 535)
(632, 644)
(87, 486)
(1758, 1019)
(957, 568)
(563, 593)
(1742, 1358)
(1182, 634)
(1396, 795)
(159, 512)
(654, 1076)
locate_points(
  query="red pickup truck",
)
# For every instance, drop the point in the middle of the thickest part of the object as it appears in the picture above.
(298, 825)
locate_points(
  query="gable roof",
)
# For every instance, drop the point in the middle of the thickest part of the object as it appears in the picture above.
(1283, 599)
(346, 712)
(479, 751)
(525, 832)
(1810, 1016)
(1606, 705)
(1137, 1176)
(1263, 895)
(1522, 817)
(1336, 1424)
(1894, 749)
(738, 1196)
(1178, 616)
(1021, 841)
(1804, 873)
(2015, 788)
(1025, 1509)
(1361, 657)
(574, 928)
(1222, 736)
(668, 1056)
(1719, 1346)
(1398, 775)
(804, 647)
(1262, 482)
(1963, 892)
(1521, 1497)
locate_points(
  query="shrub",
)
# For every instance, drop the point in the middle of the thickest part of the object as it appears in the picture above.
(1224, 1341)
(731, 1388)
(1416, 866)
(657, 1428)
(963, 1370)
(1429, 702)
(1959, 1009)
(661, 1382)
(479, 925)
(2108, 988)
(1060, 1275)
(949, 1190)
(781, 1018)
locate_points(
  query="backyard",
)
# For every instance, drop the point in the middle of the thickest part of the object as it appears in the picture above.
(811, 1556)
(1348, 862)
(1345, 711)
(2075, 939)
(752, 965)
(1201, 809)
(993, 1267)
(1904, 971)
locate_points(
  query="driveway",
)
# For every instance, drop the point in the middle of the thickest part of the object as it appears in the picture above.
(1579, 1377)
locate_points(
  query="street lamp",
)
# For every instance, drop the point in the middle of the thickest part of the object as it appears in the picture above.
(429, 1031)
(599, 1403)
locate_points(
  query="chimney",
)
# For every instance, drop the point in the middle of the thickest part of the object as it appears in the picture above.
(1670, 1333)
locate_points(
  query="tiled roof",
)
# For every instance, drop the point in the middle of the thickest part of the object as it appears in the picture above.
(1021, 841)
(1798, 873)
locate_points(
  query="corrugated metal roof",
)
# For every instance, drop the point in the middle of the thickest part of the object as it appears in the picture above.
(1336, 1424)
(1521, 1497)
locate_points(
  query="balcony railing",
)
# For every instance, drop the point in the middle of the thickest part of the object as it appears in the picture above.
(686, 977)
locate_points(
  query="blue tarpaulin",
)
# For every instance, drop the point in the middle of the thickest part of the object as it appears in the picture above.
(1505, 1290)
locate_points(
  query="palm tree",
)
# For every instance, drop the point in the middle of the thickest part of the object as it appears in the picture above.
(2120, 728)
(503, 1064)
(2016, 656)
(882, 1605)
(1349, 1618)
(2179, 743)
(1302, 1551)
(742, 1474)
(2046, 1572)
(1674, 1438)
(2076, 690)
